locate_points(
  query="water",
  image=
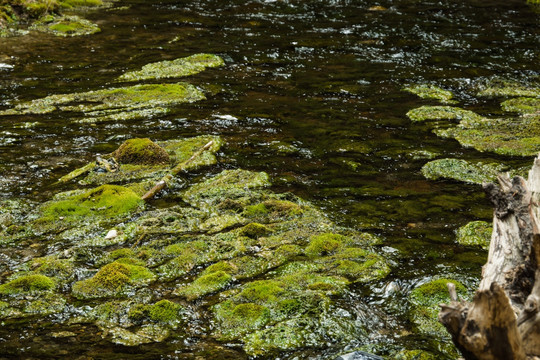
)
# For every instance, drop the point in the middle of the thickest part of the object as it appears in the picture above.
(311, 93)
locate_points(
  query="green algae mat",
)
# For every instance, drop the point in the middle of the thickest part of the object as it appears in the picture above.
(266, 269)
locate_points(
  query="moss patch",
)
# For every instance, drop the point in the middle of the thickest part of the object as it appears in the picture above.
(176, 68)
(104, 201)
(502, 87)
(475, 233)
(112, 280)
(424, 113)
(205, 284)
(122, 103)
(141, 151)
(424, 305)
(462, 170)
(522, 105)
(27, 284)
(71, 25)
(427, 91)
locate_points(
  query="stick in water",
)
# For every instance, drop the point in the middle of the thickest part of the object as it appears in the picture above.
(160, 185)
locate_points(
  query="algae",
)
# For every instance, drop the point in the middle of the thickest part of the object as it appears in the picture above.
(475, 233)
(65, 26)
(176, 68)
(427, 91)
(426, 112)
(122, 103)
(462, 170)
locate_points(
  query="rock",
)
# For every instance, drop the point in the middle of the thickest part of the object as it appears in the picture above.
(427, 91)
(462, 170)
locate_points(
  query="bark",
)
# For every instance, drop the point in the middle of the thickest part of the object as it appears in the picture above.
(503, 321)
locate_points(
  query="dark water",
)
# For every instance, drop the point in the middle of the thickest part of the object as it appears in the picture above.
(311, 93)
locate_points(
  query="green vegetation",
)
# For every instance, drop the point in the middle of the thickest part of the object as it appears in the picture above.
(176, 68)
(522, 105)
(65, 26)
(501, 87)
(122, 103)
(112, 280)
(141, 151)
(475, 233)
(104, 201)
(325, 244)
(427, 91)
(205, 284)
(27, 284)
(424, 305)
(462, 170)
(424, 113)
(163, 311)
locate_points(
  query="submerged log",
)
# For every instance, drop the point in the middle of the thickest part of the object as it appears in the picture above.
(503, 321)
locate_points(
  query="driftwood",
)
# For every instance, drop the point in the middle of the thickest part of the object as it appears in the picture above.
(162, 184)
(503, 321)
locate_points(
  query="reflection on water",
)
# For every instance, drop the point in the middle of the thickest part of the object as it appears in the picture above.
(311, 93)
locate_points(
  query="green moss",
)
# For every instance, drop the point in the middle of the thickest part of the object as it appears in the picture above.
(424, 113)
(462, 170)
(475, 233)
(27, 284)
(176, 68)
(112, 280)
(62, 269)
(205, 284)
(254, 230)
(424, 305)
(415, 355)
(236, 319)
(228, 184)
(506, 136)
(80, 3)
(182, 150)
(427, 91)
(165, 311)
(262, 291)
(71, 25)
(501, 87)
(523, 105)
(104, 201)
(122, 103)
(225, 266)
(141, 151)
(273, 209)
(325, 244)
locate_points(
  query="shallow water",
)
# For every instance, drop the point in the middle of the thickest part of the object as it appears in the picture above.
(311, 93)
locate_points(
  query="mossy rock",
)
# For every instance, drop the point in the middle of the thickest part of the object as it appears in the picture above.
(173, 69)
(424, 305)
(501, 87)
(113, 279)
(325, 244)
(183, 149)
(522, 105)
(424, 113)
(205, 284)
(506, 136)
(475, 233)
(141, 151)
(71, 25)
(124, 103)
(427, 91)
(163, 311)
(462, 170)
(229, 184)
(254, 230)
(105, 201)
(28, 284)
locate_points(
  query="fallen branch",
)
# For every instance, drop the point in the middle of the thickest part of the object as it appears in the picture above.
(503, 321)
(162, 184)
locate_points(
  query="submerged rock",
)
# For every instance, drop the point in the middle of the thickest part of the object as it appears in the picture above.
(426, 112)
(501, 87)
(175, 68)
(122, 103)
(66, 25)
(462, 170)
(427, 91)
(475, 233)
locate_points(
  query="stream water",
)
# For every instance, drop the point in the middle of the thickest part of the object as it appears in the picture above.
(311, 93)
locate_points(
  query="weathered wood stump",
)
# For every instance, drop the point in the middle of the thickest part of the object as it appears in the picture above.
(503, 321)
